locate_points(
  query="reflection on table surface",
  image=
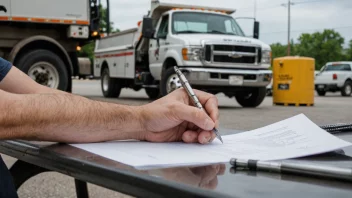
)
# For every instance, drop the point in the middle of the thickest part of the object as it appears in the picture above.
(223, 177)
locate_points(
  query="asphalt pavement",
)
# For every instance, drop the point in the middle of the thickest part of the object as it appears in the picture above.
(332, 108)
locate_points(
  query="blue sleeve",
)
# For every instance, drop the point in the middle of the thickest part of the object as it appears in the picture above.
(5, 67)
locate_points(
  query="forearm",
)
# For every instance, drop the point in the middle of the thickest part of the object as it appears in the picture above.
(66, 118)
(18, 82)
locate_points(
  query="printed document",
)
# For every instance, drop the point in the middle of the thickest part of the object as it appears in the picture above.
(290, 138)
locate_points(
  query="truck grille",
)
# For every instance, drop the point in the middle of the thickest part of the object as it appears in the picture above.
(222, 54)
(227, 59)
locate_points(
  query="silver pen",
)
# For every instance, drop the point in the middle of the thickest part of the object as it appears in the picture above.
(193, 96)
(294, 168)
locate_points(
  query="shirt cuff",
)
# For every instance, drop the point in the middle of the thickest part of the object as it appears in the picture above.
(5, 67)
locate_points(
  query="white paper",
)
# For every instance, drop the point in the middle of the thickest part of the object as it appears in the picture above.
(290, 138)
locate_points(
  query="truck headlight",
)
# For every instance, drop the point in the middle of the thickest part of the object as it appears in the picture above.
(266, 57)
(191, 53)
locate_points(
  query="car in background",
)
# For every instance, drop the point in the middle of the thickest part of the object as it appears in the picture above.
(334, 77)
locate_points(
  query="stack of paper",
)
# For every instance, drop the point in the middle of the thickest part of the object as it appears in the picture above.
(290, 138)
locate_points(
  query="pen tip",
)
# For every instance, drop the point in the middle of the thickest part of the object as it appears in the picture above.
(221, 139)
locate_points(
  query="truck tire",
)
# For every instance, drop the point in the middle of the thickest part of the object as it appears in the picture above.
(110, 86)
(169, 82)
(45, 67)
(321, 93)
(152, 93)
(347, 89)
(252, 98)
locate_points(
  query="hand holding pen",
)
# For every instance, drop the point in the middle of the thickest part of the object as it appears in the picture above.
(174, 118)
(193, 96)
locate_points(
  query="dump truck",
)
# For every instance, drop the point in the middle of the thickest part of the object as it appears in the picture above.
(206, 43)
(42, 37)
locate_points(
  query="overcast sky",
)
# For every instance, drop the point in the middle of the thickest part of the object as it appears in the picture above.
(306, 15)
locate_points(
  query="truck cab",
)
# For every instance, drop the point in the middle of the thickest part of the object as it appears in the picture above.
(207, 44)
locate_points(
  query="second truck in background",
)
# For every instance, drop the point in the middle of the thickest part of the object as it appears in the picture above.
(205, 43)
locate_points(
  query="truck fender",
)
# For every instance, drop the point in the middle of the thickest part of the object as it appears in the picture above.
(19, 46)
(170, 54)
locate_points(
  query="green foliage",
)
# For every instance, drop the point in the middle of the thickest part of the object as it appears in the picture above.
(278, 50)
(348, 52)
(103, 24)
(88, 49)
(323, 46)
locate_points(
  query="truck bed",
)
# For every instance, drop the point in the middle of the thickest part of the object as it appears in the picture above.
(55, 11)
(118, 52)
(121, 40)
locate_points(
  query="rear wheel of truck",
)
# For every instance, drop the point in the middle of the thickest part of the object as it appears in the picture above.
(169, 82)
(109, 86)
(321, 93)
(251, 98)
(152, 93)
(45, 67)
(347, 89)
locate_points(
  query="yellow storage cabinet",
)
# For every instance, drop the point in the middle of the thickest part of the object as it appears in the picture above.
(293, 83)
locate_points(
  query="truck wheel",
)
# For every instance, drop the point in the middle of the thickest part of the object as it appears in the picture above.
(169, 82)
(46, 68)
(110, 86)
(152, 93)
(251, 99)
(347, 89)
(321, 93)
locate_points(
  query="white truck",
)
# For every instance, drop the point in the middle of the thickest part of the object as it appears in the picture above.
(41, 38)
(334, 77)
(205, 43)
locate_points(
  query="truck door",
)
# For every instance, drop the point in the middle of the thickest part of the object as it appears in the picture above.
(5, 10)
(130, 64)
(159, 46)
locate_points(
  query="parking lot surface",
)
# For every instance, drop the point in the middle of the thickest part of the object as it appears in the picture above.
(327, 110)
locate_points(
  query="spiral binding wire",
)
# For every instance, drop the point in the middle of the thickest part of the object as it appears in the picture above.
(337, 128)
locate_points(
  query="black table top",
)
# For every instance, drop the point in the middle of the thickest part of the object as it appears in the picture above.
(206, 181)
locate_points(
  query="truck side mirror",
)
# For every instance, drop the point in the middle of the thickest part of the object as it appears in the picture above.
(256, 30)
(147, 29)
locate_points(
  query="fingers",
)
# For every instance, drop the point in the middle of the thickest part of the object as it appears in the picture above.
(222, 169)
(202, 137)
(212, 184)
(208, 175)
(210, 103)
(183, 112)
(190, 137)
(205, 137)
(183, 175)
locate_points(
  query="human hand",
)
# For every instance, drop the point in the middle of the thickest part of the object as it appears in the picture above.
(175, 118)
(203, 177)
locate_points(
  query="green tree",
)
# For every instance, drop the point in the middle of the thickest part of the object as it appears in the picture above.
(323, 46)
(278, 50)
(348, 52)
(88, 49)
(103, 22)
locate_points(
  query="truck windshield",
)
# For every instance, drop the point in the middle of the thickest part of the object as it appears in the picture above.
(193, 22)
(338, 67)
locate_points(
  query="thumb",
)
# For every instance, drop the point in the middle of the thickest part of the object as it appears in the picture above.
(194, 115)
